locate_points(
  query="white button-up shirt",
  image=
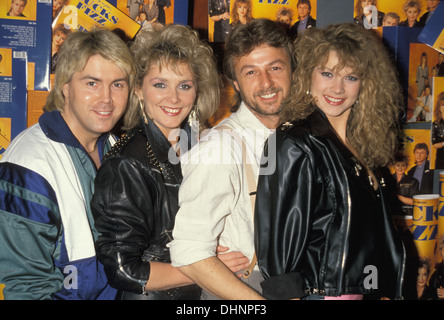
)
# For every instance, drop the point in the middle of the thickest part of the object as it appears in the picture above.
(215, 207)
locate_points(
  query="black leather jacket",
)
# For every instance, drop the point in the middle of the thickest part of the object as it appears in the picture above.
(320, 227)
(134, 206)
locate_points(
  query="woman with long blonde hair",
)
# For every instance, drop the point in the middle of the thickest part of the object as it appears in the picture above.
(241, 12)
(323, 216)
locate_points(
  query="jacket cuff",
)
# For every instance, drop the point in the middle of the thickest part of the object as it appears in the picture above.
(283, 287)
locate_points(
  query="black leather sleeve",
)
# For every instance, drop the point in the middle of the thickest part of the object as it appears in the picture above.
(122, 207)
(284, 205)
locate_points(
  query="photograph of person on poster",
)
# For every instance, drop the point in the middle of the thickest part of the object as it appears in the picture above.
(406, 186)
(219, 12)
(431, 6)
(59, 35)
(391, 19)
(241, 12)
(424, 106)
(440, 65)
(305, 19)
(163, 5)
(411, 9)
(422, 74)
(421, 170)
(17, 7)
(133, 8)
(285, 17)
(436, 281)
(57, 7)
(424, 292)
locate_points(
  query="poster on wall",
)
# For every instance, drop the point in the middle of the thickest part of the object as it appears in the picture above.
(223, 15)
(26, 25)
(422, 68)
(389, 13)
(148, 11)
(433, 32)
(13, 97)
(83, 15)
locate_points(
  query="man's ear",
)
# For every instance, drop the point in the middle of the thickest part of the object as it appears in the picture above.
(236, 85)
(65, 90)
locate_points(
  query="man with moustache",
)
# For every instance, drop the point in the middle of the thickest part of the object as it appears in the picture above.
(47, 175)
(215, 201)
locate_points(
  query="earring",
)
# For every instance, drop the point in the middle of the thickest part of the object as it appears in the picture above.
(308, 92)
(142, 110)
(193, 117)
(356, 103)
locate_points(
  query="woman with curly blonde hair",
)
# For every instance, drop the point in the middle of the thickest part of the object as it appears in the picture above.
(327, 200)
(373, 124)
(241, 12)
(136, 189)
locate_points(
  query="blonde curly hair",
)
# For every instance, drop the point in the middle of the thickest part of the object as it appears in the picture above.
(171, 46)
(373, 126)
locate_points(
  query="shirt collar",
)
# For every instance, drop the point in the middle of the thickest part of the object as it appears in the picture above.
(247, 119)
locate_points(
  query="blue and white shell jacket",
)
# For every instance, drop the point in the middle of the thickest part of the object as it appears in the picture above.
(47, 231)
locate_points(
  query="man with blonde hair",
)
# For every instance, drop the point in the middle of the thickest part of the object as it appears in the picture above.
(17, 7)
(47, 175)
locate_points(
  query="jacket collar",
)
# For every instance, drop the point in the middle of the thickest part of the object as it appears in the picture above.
(56, 129)
(160, 146)
(321, 127)
(159, 143)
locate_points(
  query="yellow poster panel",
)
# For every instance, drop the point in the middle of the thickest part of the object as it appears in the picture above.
(5, 62)
(5, 134)
(269, 9)
(439, 43)
(395, 6)
(18, 9)
(262, 9)
(83, 15)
